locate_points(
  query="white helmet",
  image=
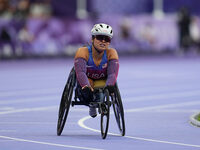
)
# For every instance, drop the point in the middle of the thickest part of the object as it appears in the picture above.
(102, 29)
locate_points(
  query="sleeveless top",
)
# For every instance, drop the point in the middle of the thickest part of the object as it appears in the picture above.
(96, 72)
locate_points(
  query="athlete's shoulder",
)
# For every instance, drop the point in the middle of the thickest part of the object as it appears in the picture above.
(112, 54)
(82, 52)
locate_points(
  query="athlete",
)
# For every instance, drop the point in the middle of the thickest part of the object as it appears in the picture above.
(96, 65)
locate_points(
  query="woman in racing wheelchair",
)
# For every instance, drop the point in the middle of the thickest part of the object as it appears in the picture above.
(96, 65)
(94, 78)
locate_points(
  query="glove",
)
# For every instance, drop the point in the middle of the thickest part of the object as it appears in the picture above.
(87, 94)
(86, 86)
(111, 88)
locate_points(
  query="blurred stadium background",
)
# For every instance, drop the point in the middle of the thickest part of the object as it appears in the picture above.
(58, 27)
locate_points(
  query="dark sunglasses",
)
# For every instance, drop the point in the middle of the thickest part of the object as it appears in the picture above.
(103, 37)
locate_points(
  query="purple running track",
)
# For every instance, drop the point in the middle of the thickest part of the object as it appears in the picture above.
(159, 95)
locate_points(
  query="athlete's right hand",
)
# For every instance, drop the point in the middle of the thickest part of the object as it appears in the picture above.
(86, 86)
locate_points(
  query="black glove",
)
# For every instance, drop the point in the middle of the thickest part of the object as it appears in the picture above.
(111, 88)
(87, 94)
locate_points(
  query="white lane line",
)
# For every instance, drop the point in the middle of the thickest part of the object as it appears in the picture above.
(81, 124)
(54, 107)
(31, 99)
(7, 130)
(171, 110)
(163, 96)
(31, 123)
(159, 88)
(47, 143)
(28, 109)
(6, 108)
(83, 110)
(192, 103)
(24, 92)
(127, 99)
(23, 123)
(161, 141)
(29, 92)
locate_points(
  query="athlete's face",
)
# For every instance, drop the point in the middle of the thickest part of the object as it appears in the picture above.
(101, 42)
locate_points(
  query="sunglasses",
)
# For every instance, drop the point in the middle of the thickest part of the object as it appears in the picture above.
(103, 37)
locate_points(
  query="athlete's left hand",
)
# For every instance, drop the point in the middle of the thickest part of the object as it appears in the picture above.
(111, 88)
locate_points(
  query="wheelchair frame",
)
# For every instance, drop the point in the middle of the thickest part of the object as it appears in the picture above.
(103, 107)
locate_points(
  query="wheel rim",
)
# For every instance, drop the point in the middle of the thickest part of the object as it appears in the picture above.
(65, 104)
(104, 124)
(105, 116)
(64, 109)
(118, 111)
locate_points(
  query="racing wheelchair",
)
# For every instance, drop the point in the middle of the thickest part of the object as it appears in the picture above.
(107, 99)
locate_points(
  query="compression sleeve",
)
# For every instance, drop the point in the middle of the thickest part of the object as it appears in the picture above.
(80, 68)
(113, 68)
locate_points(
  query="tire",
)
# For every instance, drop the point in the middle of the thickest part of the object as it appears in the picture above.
(65, 102)
(118, 111)
(105, 115)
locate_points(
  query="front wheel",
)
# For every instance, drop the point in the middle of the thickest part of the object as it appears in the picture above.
(105, 114)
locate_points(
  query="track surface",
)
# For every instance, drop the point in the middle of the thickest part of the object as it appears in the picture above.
(159, 95)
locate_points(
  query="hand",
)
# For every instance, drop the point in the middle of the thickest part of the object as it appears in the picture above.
(111, 88)
(86, 86)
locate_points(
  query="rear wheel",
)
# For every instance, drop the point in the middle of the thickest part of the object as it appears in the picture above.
(118, 110)
(65, 102)
(105, 114)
